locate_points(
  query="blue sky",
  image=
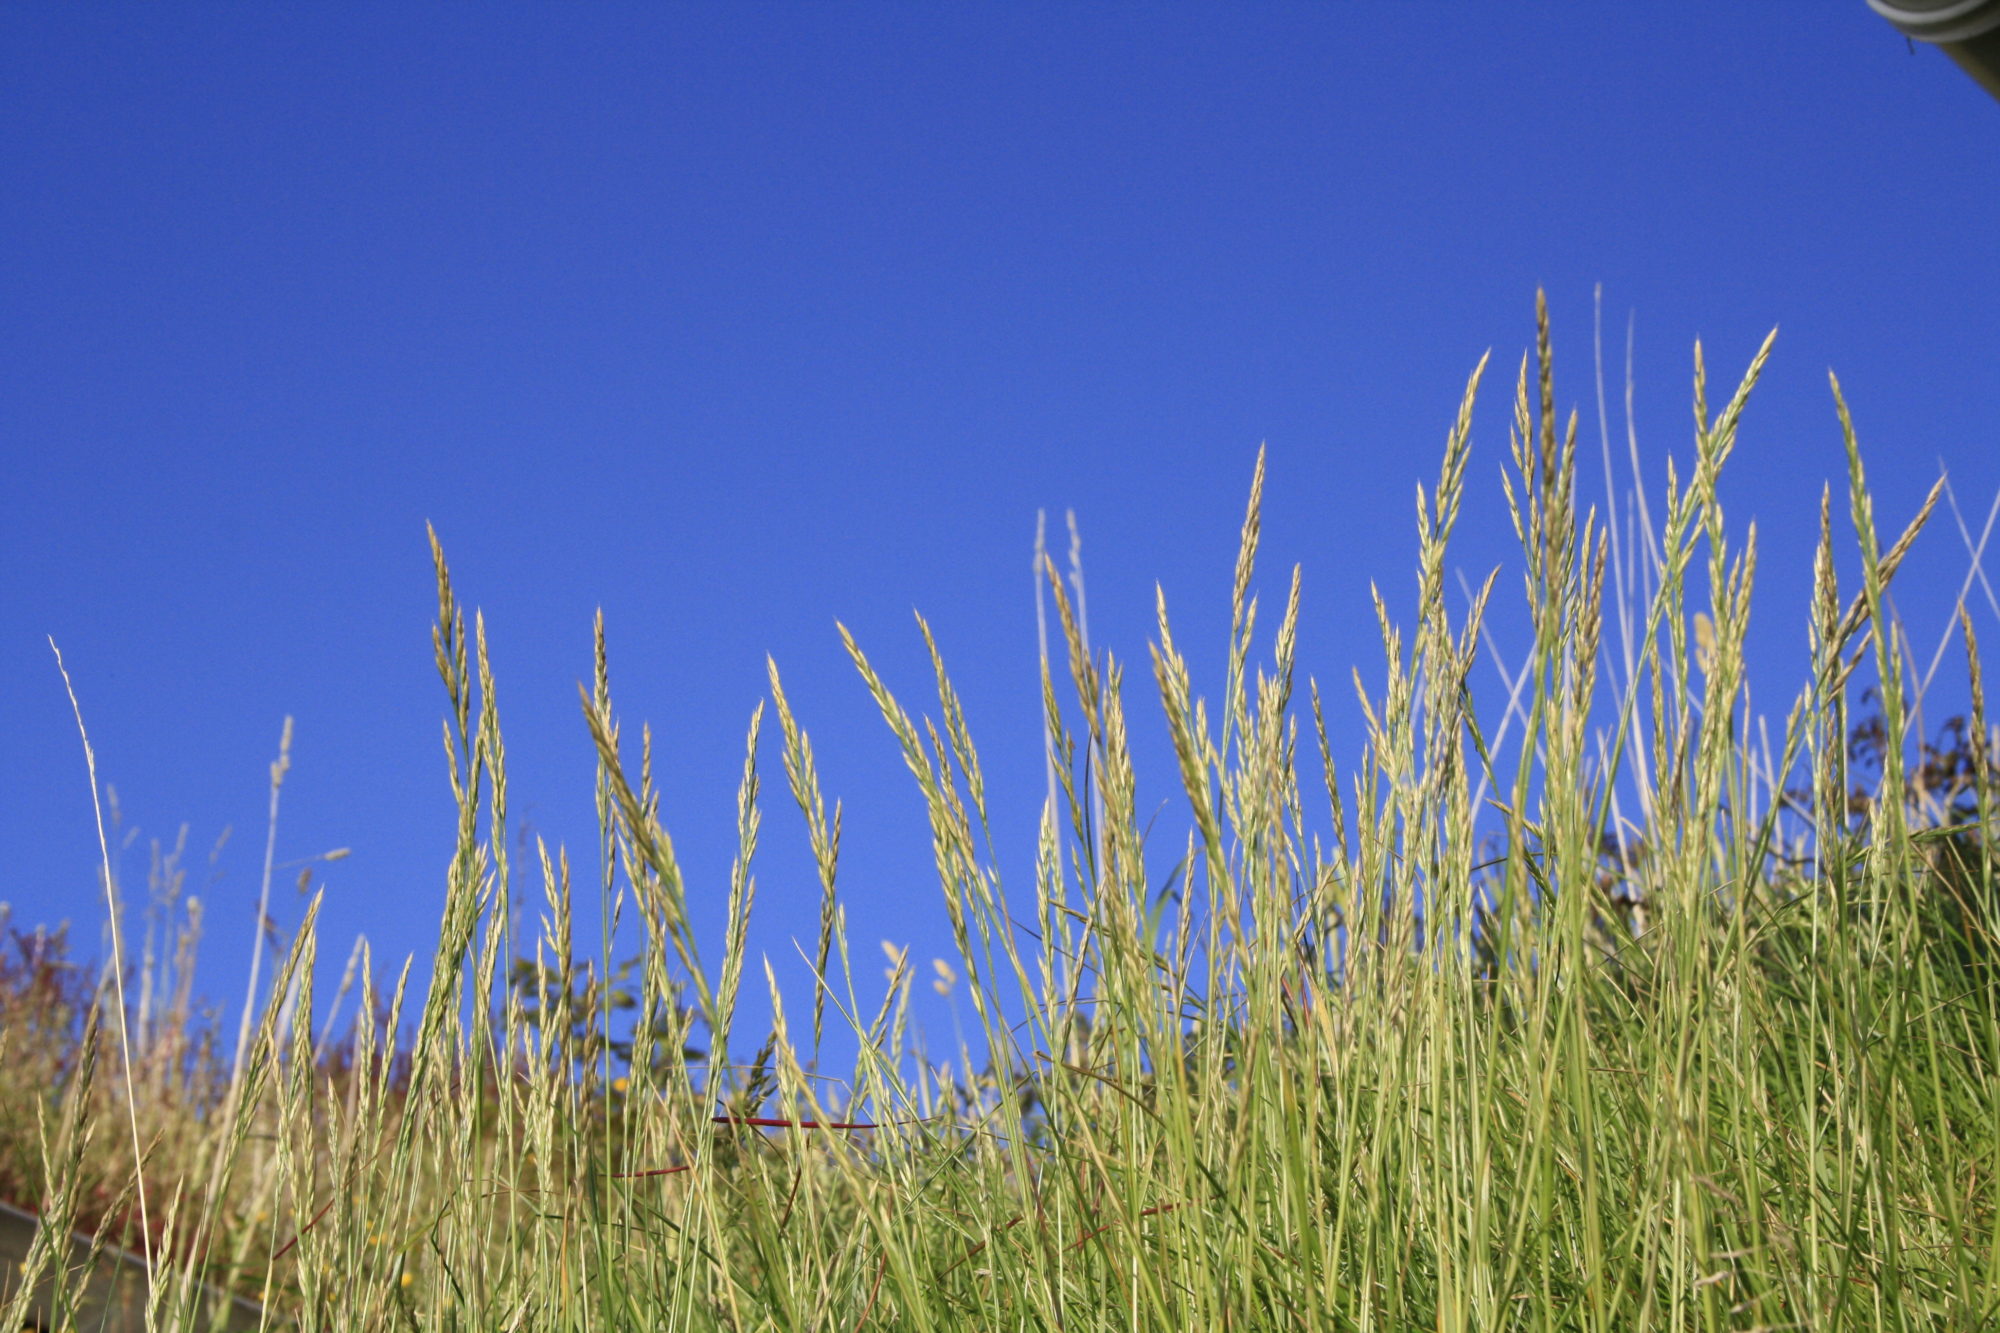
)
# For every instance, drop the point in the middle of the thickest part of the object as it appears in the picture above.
(737, 321)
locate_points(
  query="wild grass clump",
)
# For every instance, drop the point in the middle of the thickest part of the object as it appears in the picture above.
(1599, 1011)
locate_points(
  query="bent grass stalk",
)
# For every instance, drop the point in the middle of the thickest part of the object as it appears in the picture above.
(117, 947)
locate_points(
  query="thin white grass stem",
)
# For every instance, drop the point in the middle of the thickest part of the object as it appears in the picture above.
(278, 770)
(1975, 570)
(1042, 642)
(1618, 579)
(1992, 602)
(1514, 685)
(1083, 638)
(1651, 546)
(117, 956)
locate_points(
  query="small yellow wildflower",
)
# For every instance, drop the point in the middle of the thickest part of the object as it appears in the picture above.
(620, 1083)
(408, 1279)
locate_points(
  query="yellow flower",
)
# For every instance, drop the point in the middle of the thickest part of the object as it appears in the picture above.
(408, 1279)
(620, 1083)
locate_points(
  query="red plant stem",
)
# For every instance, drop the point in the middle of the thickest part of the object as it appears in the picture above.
(1088, 1236)
(881, 1270)
(657, 1171)
(1005, 1227)
(1154, 1211)
(286, 1248)
(762, 1122)
(758, 1121)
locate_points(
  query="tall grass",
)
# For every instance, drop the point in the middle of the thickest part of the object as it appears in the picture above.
(1596, 1011)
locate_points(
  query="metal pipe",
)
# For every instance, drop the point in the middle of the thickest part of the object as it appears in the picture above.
(1967, 30)
(113, 1295)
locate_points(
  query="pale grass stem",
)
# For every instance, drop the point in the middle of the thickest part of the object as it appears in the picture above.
(117, 953)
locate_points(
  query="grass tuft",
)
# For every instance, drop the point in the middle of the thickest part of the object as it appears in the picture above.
(1588, 1007)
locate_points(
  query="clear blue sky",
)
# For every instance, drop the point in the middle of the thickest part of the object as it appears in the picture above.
(735, 321)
